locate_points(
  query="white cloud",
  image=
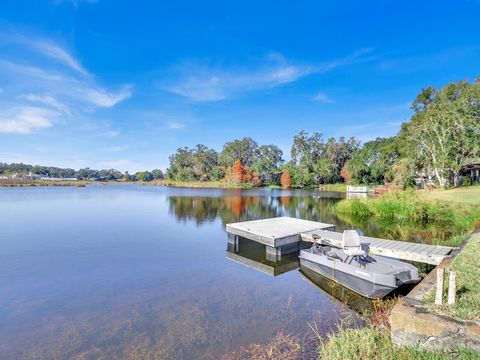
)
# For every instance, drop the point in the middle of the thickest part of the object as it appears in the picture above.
(114, 149)
(47, 100)
(49, 48)
(103, 98)
(204, 84)
(25, 119)
(74, 2)
(112, 133)
(323, 98)
(175, 125)
(52, 79)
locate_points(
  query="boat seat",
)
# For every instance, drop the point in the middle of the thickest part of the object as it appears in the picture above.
(351, 243)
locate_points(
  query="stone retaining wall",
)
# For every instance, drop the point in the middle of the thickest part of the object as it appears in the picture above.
(412, 322)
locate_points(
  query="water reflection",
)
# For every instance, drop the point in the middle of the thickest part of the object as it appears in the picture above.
(236, 206)
(140, 272)
(253, 254)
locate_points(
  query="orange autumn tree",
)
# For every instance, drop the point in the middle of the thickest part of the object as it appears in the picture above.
(286, 180)
(237, 172)
(345, 174)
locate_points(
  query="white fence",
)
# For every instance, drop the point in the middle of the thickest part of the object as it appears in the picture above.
(357, 189)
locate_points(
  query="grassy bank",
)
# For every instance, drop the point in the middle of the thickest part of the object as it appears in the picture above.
(375, 343)
(416, 208)
(26, 183)
(467, 305)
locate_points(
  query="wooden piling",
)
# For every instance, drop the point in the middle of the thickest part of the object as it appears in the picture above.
(439, 293)
(452, 287)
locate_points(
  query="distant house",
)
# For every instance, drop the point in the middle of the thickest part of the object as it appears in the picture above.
(471, 169)
(31, 176)
(46, 178)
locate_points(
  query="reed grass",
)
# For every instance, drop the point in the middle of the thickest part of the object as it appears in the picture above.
(410, 208)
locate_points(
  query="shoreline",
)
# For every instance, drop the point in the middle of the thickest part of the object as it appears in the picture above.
(194, 185)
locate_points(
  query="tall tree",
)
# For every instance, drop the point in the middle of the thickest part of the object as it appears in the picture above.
(373, 162)
(268, 162)
(246, 150)
(445, 129)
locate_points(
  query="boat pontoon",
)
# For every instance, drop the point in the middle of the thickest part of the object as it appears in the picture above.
(372, 276)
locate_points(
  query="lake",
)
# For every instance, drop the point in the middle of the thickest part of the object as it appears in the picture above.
(126, 271)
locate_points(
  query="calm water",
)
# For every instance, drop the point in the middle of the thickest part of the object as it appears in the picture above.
(132, 271)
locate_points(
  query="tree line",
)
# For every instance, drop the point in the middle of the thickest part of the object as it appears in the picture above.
(81, 174)
(442, 135)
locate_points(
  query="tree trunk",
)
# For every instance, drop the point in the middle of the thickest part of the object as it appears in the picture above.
(456, 179)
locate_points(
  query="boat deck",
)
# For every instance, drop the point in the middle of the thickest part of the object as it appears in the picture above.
(283, 235)
(430, 254)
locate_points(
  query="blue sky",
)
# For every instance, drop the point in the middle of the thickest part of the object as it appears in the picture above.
(111, 83)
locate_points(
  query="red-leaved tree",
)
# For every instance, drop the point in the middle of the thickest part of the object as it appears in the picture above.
(345, 174)
(237, 172)
(286, 180)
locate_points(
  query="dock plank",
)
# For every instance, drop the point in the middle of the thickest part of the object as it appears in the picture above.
(283, 231)
(430, 254)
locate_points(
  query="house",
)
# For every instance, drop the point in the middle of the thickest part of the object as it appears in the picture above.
(471, 169)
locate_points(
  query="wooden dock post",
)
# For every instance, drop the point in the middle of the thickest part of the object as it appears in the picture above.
(439, 293)
(452, 287)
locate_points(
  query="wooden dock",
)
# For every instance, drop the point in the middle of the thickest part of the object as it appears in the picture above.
(430, 254)
(284, 235)
(280, 235)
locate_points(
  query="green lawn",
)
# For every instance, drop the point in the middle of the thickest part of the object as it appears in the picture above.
(467, 306)
(464, 195)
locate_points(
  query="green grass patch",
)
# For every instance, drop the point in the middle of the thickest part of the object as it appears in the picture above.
(467, 305)
(340, 187)
(414, 209)
(272, 187)
(463, 195)
(375, 344)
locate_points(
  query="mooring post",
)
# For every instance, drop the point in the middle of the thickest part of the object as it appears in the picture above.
(233, 242)
(439, 293)
(452, 287)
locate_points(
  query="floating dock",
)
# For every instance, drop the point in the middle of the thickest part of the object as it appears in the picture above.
(285, 235)
(281, 235)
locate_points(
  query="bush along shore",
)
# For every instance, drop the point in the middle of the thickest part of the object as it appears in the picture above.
(412, 208)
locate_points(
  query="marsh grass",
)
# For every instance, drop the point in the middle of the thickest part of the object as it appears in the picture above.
(411, 210)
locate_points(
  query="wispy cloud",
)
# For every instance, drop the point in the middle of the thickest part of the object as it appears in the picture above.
(175, 125)
(115, 149)
(112, 133)
(50, 79)
(25, 119)
(46, 100)
(74, 2)
(204, 84)
(323, 98)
